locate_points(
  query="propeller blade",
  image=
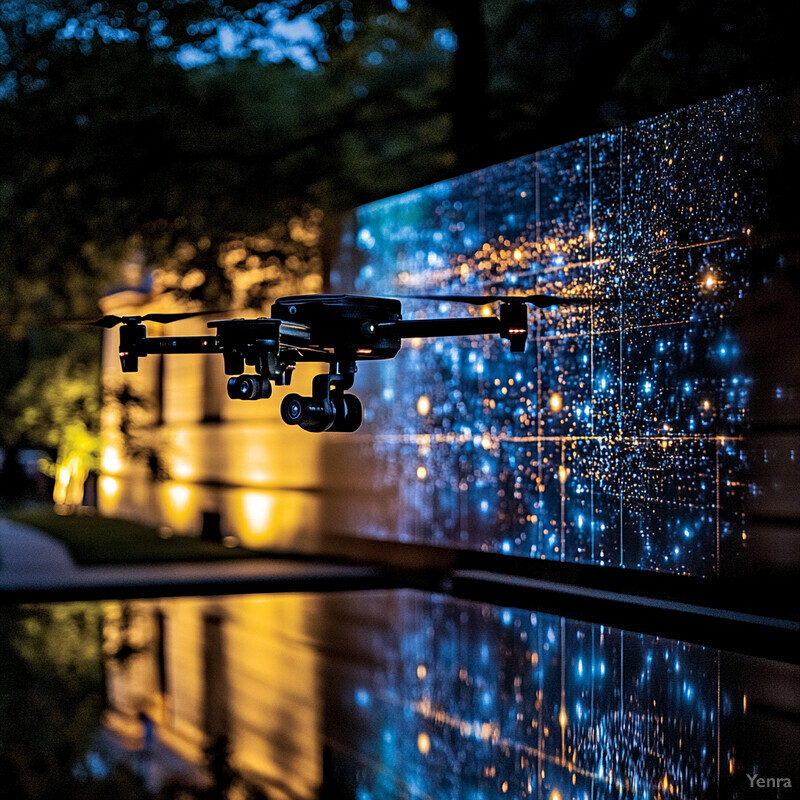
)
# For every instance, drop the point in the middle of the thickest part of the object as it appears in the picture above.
(111, 320)
(538, 300)
(108, 321)
(174, 317)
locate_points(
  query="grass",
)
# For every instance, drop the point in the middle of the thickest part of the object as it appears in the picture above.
(95, 540)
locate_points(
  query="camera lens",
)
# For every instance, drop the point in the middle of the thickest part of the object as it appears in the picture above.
(249, 387)
(292, 409)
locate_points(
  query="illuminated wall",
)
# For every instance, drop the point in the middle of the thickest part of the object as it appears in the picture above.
(620, 436)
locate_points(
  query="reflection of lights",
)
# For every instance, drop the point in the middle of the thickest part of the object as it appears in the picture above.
(486, 311)
(423, 405)
(563, 473)
(422, 472)
(562, 718)
(555, 795)
(422, 671)
(556, 402)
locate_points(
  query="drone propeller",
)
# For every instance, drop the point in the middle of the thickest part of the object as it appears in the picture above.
(111, 320)
(538, 300)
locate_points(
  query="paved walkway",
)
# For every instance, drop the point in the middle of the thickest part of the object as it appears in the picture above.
(34, 566)
(26, 551)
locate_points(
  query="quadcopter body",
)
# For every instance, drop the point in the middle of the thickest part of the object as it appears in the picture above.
(337, 329)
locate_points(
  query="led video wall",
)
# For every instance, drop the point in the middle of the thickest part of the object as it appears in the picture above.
(617, 437)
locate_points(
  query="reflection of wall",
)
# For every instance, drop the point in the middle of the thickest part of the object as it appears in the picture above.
(474, 700)
(621, 436)
(243, 669)
(377, 695)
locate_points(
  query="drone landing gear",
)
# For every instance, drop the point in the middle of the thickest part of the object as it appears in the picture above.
(328, 408)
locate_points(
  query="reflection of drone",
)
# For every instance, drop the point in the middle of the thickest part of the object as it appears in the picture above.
(336, 329)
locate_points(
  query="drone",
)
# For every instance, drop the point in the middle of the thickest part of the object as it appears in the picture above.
(337, 329)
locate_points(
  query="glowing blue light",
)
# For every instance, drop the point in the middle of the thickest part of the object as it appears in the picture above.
(445, 39)
(484, 506)
(507, 617)
(506, 547)
(363, 698)
(580, 666)
(434, 259)
(365, 239)
(687, 533)
(580, 520)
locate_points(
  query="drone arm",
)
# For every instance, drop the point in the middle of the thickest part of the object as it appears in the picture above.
(134, 343)
(431, 328)
(154, 345)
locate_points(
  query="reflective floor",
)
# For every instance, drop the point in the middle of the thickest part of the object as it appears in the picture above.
(379, 695)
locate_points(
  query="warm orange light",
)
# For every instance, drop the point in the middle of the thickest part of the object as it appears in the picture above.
(422, 473)
(178, 505)
(424, 743)
(562, 718)
(556, 402)
(110, 461)
(423, 405)
(709, 282)
(563, 473)
(257, 514)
